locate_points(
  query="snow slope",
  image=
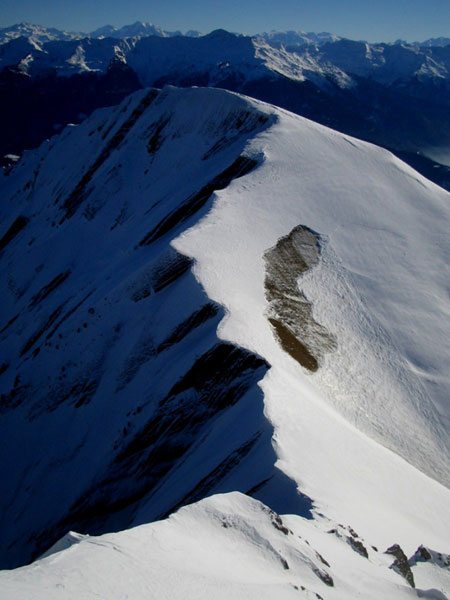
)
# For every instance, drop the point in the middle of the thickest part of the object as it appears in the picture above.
(365, 435)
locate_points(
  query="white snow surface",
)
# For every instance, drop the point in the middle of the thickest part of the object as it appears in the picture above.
(366, 436)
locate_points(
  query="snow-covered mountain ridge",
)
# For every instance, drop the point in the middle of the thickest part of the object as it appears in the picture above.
(38, 33)
(141, 257)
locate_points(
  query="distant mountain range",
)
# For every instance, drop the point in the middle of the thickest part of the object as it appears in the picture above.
(154, 56)
(39, 34)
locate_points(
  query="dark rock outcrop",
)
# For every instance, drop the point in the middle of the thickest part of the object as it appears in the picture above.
(400, 564)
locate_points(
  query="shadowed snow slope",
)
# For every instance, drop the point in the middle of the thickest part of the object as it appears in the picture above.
(111, 366)
(136, 389)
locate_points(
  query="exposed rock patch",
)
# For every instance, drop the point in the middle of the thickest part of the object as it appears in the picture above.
(423, 554)
(352, 540)
(324, 576)
(358, 546)
(277, 522)
(400, 564)
(289, 312)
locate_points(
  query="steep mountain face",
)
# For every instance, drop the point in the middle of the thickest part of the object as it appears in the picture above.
(394, 95)
(207, 294)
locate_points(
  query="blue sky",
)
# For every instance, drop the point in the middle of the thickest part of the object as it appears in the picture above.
(377, 20)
